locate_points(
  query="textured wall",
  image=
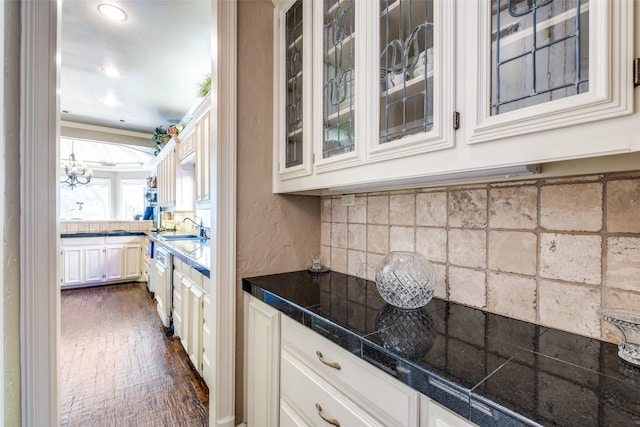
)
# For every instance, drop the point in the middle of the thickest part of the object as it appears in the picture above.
(10, 216)
(274, 233)
(548, 251)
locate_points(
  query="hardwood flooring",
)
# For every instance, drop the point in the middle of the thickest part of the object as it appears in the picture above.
(117, 366)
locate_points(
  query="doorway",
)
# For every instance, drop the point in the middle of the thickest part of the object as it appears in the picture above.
(39, 301)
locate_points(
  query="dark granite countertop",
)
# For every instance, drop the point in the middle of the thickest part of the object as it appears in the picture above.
(491, 369)
(194, 253)
(102, 234)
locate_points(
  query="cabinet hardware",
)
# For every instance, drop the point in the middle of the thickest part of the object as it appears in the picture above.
(636, 72)
(456, 120)
(333, 365)
(331, 421)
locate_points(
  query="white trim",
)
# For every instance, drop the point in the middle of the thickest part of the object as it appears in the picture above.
(39, 269)
(223, 215)
(3, 158)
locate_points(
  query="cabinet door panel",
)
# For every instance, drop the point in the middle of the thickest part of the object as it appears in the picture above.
(114, 262)
(195, 327)
(131, 261)
(94, 263)
(552, 65)
(72, 265)
(208, 337)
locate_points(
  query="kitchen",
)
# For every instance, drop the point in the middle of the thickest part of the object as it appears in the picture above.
(291, 222)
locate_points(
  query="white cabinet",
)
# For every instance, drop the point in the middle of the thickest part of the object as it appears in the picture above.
(95, 260)
(405, 91)
(296, 377)
(208, 337)
(162, 292)
(263, 365)
(434, 415)
(203, 149)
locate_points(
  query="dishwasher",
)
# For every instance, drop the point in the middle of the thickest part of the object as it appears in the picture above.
(163, 285)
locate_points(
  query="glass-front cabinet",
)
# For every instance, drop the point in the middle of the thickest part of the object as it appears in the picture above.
(293, 76)
(372, 93)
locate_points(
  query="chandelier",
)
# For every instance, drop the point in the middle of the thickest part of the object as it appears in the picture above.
(76, 175)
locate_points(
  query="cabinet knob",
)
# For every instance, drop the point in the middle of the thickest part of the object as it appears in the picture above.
(333, 365)
(331, 421)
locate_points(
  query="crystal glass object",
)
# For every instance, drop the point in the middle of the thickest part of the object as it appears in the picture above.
(628, 323)
(405, 279)
(409, 332)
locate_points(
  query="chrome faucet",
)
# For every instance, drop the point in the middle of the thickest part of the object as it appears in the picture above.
(202, 231)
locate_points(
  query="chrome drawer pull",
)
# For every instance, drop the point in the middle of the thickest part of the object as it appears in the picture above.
(331, 421)
(333, 365)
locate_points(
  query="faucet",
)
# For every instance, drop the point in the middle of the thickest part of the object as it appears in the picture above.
(202, 232)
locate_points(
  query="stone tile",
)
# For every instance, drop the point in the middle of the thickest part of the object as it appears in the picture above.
(358, 212)
(623, 263)
(325, 209)
(570, 179)
(569, 307)
(94, 226)
(71, 227)
(441, 281)
(623, 206)
(467, 287)
(338, 211)
(571, 207)
(339, 235)
(468, 208)
(513, 207)
(83, 227)
(402, 239)
(373, 260)
(432, 243)
(339, 260)
(572, 258)
(357, 238)
(378, 239)
(431, 209)
(325, 233)
(512, 295)
(468, 248)
(378, 210)
(513, 251)
(325, 256)
(402, 209)
(615, 298)
(357, 263)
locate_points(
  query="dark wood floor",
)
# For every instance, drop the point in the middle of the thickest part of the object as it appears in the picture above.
(117, 366)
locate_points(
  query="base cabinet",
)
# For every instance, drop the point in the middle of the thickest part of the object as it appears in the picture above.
(97, 260)
(296, 377)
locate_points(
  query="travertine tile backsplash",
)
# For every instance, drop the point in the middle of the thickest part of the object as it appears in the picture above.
(548, 251)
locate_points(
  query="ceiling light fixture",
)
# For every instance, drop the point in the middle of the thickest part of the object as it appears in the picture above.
(110, 99)
(76, 175)
(110, 71)
(112, 12)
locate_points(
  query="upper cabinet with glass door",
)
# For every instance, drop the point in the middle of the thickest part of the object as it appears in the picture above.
(338, 55)
(292, 125)
(544, 64)
(413, 73)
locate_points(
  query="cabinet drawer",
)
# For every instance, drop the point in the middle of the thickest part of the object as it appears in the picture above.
(315, 399)
(391, 401)
(121, 240)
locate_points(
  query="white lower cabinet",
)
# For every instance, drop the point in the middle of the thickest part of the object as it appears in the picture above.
(95, 260)
(162, 295)
(315, 399)
(296, 377)
(208, 329)
(435, 415)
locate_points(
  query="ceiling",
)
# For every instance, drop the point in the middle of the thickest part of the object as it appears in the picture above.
(161, 51)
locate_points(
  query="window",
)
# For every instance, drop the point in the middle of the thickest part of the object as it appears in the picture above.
(91, 201)
(132, 198)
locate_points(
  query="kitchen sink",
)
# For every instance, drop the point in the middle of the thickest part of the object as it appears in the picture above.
(180, 237)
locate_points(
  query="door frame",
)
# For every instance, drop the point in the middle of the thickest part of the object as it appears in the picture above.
(39, 232)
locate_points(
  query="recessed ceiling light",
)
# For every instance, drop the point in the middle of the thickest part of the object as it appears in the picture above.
(112, 12)
(122, 120)
(65, 111)
(110, 71)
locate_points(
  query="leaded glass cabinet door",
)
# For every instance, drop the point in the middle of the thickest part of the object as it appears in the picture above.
(543, 64)
(413, 76)
(293, 65)
(338, 53)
